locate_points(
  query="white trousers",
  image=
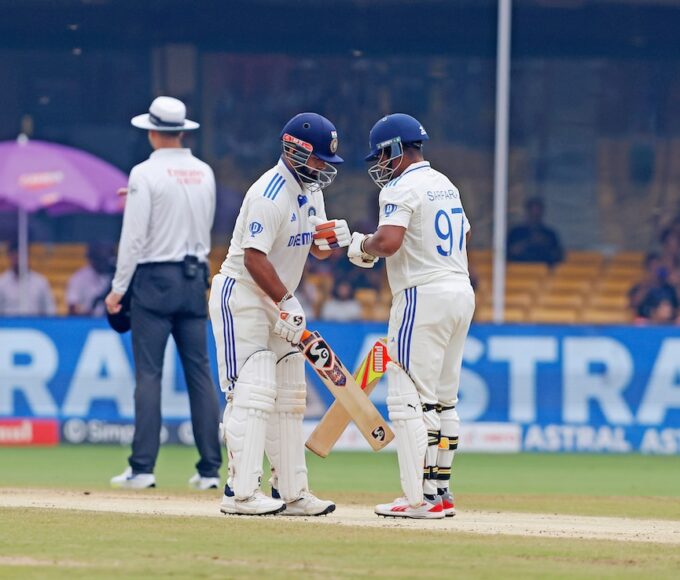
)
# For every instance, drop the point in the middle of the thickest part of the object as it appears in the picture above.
(243, 321)
(427, 330)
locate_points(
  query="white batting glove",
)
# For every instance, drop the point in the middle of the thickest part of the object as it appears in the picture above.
(356, 254)
(331, 234)
(291, 322)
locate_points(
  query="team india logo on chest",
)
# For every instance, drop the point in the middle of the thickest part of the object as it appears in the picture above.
(303, 239)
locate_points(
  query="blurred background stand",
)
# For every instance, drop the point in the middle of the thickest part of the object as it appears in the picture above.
(37, 175)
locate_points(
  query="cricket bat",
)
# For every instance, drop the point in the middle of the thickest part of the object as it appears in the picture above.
(340, 382)
(336, 419)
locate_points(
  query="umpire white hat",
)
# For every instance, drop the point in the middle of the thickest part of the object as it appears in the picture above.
(165, 114)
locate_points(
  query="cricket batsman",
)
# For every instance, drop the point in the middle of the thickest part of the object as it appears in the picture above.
(422, 233)
(257, 320)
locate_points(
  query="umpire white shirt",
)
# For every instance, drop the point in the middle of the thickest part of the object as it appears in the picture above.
(169, 212)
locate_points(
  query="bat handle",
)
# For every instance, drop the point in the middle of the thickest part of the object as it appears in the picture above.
(305, 334)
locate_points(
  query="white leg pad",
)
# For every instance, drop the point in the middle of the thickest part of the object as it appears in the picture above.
(246, 423)
(450, 426)
(406, 415)
(285, 439)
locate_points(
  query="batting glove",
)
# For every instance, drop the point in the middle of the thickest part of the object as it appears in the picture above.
(356, 253)
(331, 234)
(291, 322)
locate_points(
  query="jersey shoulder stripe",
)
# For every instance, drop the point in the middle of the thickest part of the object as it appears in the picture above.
(278, 188)
(273, 187)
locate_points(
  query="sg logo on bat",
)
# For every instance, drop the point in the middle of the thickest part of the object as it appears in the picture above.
(378, 433)
(320, 355)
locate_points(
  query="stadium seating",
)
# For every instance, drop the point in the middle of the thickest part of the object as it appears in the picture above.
(586, 288)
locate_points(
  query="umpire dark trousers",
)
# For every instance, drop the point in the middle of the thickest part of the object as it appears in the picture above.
(165, 302)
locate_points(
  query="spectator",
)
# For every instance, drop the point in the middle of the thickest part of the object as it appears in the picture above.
(88, 287)
(37, 295)
(658, 308)
(534, 241)
(342, 306)
(655, 282)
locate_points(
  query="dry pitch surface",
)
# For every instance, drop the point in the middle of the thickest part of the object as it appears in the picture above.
(475, 522)
(523, 516)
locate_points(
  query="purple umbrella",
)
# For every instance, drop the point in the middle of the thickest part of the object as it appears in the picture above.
(36, 175)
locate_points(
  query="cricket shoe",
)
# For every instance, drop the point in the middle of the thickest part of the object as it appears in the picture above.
(200, 483)
(400, 508)
(257, 504)
(130, 480)
(308, 505)
(448, 505)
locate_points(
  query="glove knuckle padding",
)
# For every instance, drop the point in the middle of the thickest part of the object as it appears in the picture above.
(285, 440)
(246, 423)
(406, 415)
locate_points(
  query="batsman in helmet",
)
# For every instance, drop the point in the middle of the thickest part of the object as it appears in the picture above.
(257, 320)
(422, 234)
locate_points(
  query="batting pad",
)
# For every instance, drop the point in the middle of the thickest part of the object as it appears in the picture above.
(246, 424)
(450, 425)
(285, 440)
(406, 415)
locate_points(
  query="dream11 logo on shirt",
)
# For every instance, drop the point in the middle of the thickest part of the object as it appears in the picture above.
(390, 208)
(255, 228)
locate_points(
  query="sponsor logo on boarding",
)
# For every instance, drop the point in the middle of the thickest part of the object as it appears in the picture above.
(290, 139)
(94, 431)
(29, 432)
(390, 208)
(255, 228)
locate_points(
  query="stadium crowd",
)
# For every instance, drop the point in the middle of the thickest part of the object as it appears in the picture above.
(654, 299)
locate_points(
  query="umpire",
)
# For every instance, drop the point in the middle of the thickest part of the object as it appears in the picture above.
(165, 244)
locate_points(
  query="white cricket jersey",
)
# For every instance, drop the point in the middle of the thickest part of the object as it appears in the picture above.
(428, 205)
(169, 212)
(274, 219)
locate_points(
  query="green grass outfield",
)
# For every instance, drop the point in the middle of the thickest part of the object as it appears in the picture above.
(58, 544)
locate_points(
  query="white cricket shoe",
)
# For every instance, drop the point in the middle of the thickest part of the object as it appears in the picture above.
(200, 483)
(130, 480)
(448, 504)
(257, 504)
(400, 508)
(309, 505)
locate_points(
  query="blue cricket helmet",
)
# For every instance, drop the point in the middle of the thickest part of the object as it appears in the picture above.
(315, 134)
(392, 129)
